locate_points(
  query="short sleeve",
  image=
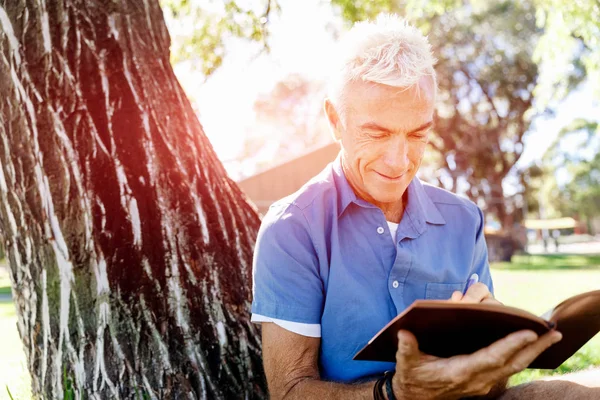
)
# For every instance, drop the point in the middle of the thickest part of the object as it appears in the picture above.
(481, 264)
(286, 280)
(310, 330)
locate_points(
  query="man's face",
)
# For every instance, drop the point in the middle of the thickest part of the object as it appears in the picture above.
(383, 133)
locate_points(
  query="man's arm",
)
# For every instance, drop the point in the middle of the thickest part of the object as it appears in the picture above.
(291, 365)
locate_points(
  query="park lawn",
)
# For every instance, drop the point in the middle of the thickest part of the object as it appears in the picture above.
(536, 288)
(4, 278)
(13, 368)
(538, 262)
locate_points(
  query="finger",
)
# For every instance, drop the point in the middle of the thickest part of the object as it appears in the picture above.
(497, 355)
(477, 293)
(456, 296)
(523, 358)
(408, 350)
(491, 300)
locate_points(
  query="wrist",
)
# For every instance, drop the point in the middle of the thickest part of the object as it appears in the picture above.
(379, 389)
(389, 390)
(397, 390)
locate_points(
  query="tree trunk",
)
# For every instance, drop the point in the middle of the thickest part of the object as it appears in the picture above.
(499, 207)
(129, 247)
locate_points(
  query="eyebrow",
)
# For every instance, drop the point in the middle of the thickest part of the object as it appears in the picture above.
(376, 127)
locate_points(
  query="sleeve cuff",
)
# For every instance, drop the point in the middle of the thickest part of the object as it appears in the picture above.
(310, 330)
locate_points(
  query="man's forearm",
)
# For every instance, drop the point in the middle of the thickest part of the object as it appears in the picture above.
(321, 390)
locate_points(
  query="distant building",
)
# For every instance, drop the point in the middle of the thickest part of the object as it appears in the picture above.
(279, 181)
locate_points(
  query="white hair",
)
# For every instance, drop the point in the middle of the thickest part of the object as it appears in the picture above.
(387, 51)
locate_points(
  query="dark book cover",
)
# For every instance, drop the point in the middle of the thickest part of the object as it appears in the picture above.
(446, 329)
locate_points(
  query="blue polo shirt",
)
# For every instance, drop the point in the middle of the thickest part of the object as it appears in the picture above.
(324, 256)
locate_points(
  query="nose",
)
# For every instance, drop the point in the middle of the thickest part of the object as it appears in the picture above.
(396, 155)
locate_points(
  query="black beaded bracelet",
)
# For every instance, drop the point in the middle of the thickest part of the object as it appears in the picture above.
(378, 389)
(389, 375)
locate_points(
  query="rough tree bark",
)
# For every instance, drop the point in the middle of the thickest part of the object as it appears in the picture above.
(129, 247)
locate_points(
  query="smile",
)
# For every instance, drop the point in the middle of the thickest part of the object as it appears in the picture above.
(390, 178)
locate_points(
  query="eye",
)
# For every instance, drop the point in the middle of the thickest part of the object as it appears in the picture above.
(377, 135)
(419, 135)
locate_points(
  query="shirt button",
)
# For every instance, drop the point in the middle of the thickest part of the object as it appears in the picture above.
(380, 230)
(395, 284)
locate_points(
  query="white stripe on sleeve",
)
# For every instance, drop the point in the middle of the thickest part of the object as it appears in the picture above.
(311, 330)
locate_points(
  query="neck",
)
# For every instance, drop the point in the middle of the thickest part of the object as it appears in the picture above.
(392, 212)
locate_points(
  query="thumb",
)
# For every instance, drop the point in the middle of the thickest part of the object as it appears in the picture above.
(456, 296)
(408, 350)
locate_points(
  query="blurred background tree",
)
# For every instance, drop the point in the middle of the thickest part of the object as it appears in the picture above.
(288, 122)
(574, 158)
(571, 38)
(202, 28)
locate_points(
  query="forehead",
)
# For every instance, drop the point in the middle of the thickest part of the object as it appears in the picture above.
(368, 100)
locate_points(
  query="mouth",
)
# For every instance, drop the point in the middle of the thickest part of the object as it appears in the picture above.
(390, 178)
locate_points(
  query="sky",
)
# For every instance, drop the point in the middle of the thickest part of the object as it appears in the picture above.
(302, 42)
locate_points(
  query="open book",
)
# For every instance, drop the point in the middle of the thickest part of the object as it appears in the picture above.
(446, 329)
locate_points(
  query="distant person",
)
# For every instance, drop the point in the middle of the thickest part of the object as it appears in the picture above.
(555, 236)
(337, 260)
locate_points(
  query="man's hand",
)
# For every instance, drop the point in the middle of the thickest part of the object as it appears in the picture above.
(477, 293)
(421, 376)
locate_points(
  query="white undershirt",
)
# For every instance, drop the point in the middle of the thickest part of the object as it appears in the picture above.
(393, 229)
(310, 330)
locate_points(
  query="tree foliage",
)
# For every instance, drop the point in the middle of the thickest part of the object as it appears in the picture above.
(500, 65)
(201, 30)
(582, 193)
(532, 180)
(571, 38)
(573, 164)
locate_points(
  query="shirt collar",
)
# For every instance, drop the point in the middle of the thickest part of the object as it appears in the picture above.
(420, 207)
(345, 193)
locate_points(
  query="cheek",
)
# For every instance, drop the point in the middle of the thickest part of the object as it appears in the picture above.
(365, 152)
(417, 152)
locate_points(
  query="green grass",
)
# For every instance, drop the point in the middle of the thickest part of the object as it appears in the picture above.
(4, 278)
(5, 288)
(551, 262)
(538, 283)
(13, 368)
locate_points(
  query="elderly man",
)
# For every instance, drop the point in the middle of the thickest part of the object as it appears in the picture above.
(361, 241)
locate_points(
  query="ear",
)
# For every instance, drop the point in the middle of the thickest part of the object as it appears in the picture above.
(334, 120)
